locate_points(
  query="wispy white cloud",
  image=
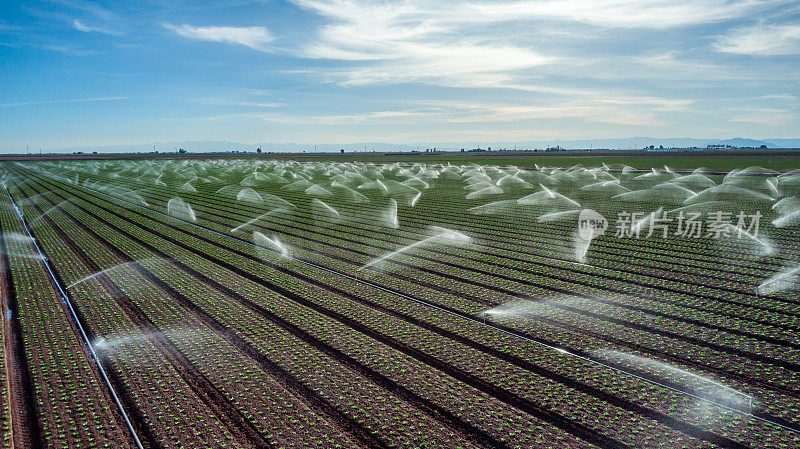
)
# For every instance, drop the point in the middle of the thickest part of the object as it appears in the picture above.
(762, 39)
(457, 65)
(80, 26)
(84, 16)
(233, 102)
(253, 37)
(673, 66)
(492, 69)
(398, 117)
(480, 43)
(461, 112)
(78, 100)
(768, 117)
(596, 111)
(70, 49)
(786, 97)
(649, 14)
(410, 42)
(92, 8)
(423, 16)
(654, 103)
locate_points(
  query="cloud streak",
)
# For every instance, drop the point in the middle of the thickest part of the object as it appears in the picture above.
(455, 112)
(357, 70)
(79, 100)
(408, 42)
(767, 117)
(80, 26)
(480, 44)
(647, 14)
(253, 37)
(762, 40)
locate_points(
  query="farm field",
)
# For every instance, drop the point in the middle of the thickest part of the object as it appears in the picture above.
(711, 161)
(677, 160)
(272, 303)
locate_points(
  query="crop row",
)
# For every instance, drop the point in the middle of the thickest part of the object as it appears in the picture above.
(292, 353)
(768, 331)
(69, 399)
(734, 344)
(172, 411)
(389, 362)
(547, 262)
(441, 208)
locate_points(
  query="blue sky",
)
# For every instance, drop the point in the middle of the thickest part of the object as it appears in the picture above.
(79, 73)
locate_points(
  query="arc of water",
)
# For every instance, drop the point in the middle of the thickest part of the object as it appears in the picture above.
(248, 223)
(326, 207)
(786, 220)
(262, 240)
(781, 281)
(443, 233)
(114, 268)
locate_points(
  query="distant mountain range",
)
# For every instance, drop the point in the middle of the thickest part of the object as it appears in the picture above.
(629, 143)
